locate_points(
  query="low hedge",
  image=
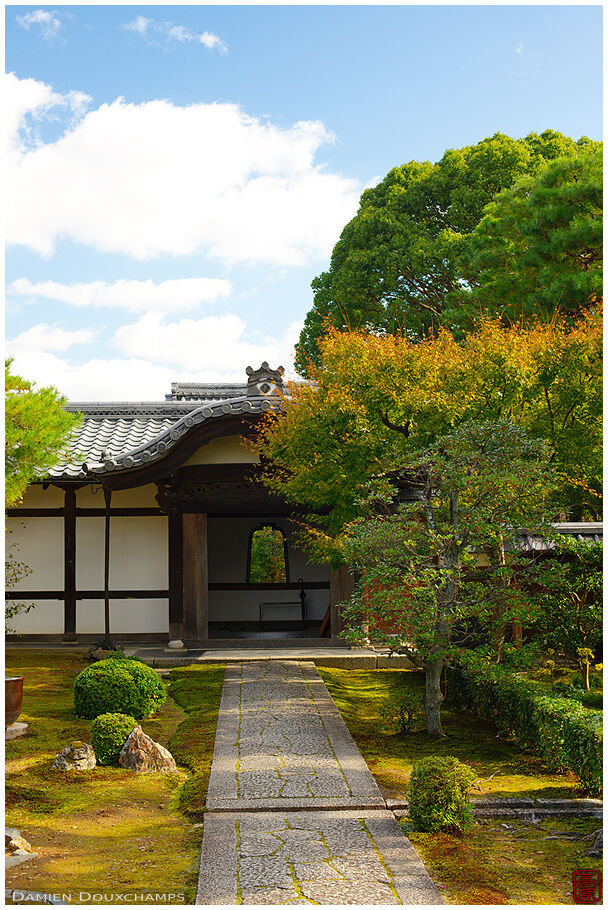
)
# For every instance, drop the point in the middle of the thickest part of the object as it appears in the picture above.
(439, 795)
(566, 735)
(117, 686)
(109, 733)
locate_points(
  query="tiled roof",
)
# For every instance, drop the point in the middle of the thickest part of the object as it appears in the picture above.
(198, 391)
(116, 436)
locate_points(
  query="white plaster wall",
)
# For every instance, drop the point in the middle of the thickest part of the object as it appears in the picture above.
(125, 616)
(45, 619)
(225, 450)
(138, 552)
(91, 497)
(37, 498)
(38, 542)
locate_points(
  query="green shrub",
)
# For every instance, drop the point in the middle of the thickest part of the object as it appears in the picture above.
(108, 735)
(400, 712)
(118, 686)
(438, 796)
(567, 735)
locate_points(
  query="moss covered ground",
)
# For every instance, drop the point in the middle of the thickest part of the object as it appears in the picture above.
(107, 830)
(503, 768)
(507, 862)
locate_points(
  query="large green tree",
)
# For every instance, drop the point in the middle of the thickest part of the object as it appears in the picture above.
(402, 262)
(539, 244)
(36, 429)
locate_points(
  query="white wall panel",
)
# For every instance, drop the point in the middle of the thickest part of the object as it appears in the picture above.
(45, 619)
(125, 616)
(39, 544)
(225, 450)
(37, 498)
(138, 552)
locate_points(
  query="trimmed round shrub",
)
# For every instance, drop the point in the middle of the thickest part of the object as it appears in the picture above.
(438, 796)
(108, 735)
(118, 687)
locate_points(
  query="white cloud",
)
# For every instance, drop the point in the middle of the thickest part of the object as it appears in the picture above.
(48, 21)
(157, 353)
(171, 296)
(99, 379)
(157, 178)
(139, 25)
(519, 50)
(164, 33)
(28, 102)
(44, 337)
(217, 344)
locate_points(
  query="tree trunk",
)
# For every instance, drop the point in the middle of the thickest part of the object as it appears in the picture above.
(433, 697)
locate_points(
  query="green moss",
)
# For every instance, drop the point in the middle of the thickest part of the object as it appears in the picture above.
(512, 862)
(198, 691)
(107, 829)
(360, 695)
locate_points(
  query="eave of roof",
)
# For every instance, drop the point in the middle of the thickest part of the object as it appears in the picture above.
(121, 436)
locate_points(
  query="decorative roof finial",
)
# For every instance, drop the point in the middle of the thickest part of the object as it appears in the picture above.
(265, 381)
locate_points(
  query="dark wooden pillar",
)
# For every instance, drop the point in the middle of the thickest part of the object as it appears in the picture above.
(341, 586)
(176, 572)
(107, 495)
(196, 576)
(69, 577)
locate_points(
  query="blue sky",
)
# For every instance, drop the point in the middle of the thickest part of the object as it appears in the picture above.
(179, 174)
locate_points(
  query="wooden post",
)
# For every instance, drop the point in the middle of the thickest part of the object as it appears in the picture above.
(176, 570)
(341, 586)
(196, 576)
(107, 495)
(69, 580)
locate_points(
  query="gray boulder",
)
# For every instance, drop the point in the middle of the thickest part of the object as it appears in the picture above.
(77, 756)
(141, 753)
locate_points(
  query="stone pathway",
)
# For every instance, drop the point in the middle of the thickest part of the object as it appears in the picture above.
(294, 815)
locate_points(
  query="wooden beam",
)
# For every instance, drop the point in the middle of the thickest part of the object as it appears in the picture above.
(152, 594)
(69, 577)
(196, 575)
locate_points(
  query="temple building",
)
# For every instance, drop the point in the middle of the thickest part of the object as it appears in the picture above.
(157, 524)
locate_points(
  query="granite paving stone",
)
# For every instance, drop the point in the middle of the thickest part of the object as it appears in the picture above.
(294, 815)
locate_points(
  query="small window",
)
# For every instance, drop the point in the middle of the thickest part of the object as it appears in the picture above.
(267, 562)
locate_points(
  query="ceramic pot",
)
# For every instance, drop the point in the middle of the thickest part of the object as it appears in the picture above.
(13, 696)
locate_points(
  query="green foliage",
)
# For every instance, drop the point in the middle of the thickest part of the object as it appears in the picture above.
(14, 571)
(401, 712)
(569, 599)
(438, 797)
(417, 561)
(539, 244)
(267, 558)
(566, 735)
(122, 686)
(402, 262)
(36, 429)
(109, 733)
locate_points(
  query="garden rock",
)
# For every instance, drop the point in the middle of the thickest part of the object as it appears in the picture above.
(78, 756)
(141, 753)
(16, 848)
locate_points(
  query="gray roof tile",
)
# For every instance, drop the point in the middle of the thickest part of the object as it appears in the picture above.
(116, 436)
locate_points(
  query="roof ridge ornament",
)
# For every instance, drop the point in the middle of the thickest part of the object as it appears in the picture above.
(263, 382)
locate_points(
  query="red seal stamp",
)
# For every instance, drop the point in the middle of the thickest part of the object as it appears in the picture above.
(587, 886)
